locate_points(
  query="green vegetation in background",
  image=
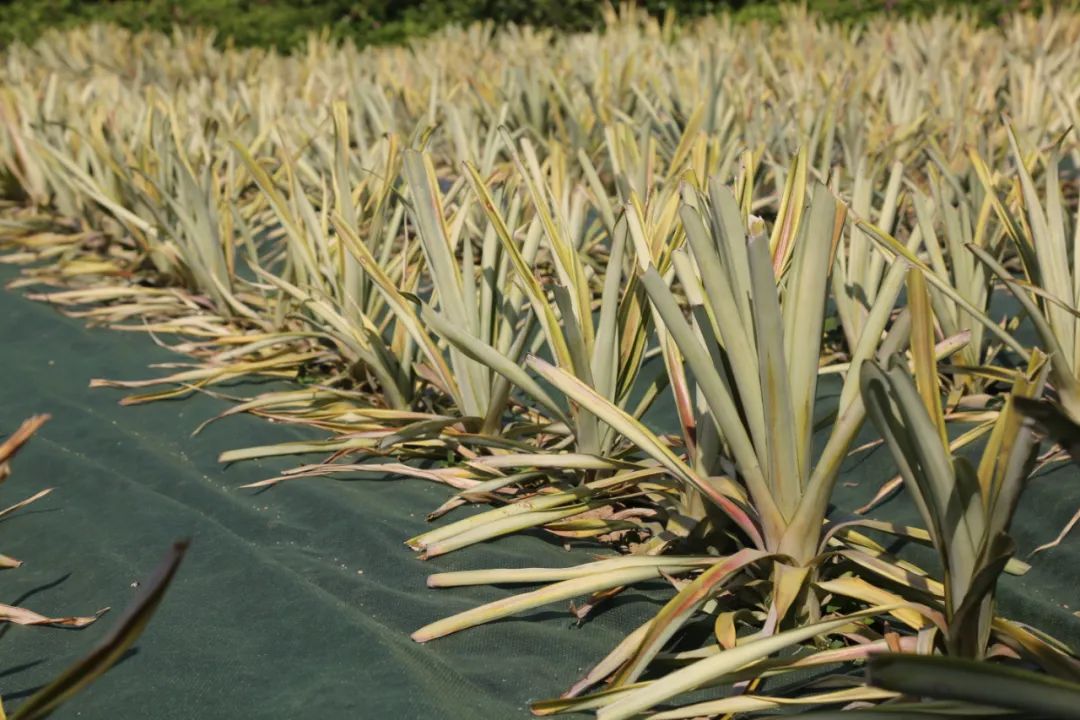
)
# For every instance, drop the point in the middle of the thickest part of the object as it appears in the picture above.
(285, 23)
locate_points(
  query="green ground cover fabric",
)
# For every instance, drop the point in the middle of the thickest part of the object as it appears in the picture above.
(298, 602)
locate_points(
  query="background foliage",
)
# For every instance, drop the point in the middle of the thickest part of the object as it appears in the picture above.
(285, 23)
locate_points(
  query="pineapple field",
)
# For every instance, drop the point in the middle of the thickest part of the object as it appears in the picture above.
(672, 369)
